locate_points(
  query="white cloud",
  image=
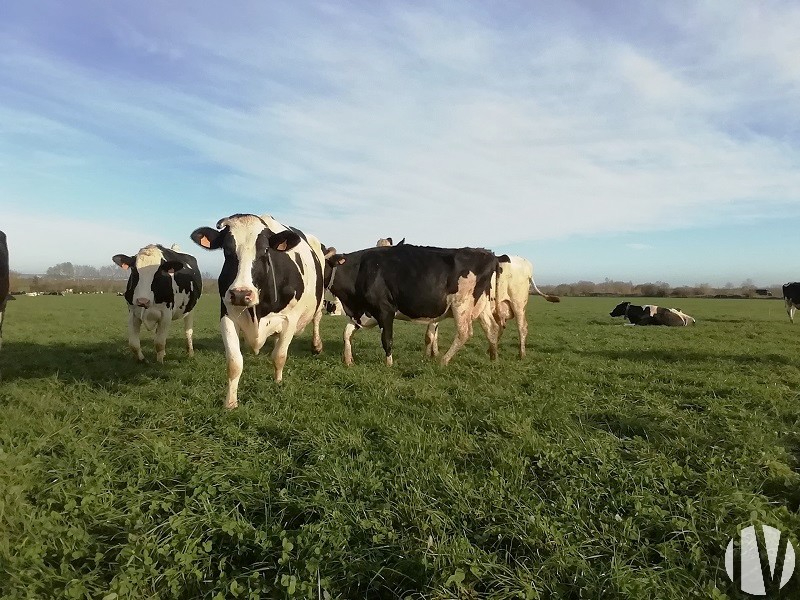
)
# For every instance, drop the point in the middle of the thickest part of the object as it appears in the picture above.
(444, 129)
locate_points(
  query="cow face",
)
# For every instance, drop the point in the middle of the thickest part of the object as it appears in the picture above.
(619, 309)
(149, 271)
(245, 241)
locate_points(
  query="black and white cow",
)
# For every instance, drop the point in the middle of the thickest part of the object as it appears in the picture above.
(270, 284)
(650, 314)
(164, 285)
(414, 283)
(791, 295)
(4, 281)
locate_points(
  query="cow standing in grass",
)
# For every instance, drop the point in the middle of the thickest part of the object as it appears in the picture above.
(4, 281)
(414, 283)
(514, 285)
(270, 284)
(164, 285)
(791, 296)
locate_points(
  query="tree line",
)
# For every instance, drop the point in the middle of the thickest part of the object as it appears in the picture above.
(85, 278)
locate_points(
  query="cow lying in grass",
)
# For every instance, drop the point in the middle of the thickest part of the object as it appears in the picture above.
(652, 315)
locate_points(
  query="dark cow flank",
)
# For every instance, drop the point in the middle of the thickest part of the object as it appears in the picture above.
(4, 281)
(164, 285)
(791, 296)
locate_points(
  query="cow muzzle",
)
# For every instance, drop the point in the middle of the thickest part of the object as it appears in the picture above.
(242, 296)
(143, 302)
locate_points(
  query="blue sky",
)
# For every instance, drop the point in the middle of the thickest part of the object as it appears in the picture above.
(637, 141)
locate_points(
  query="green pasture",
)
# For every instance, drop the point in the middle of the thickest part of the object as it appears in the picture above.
(613, 462)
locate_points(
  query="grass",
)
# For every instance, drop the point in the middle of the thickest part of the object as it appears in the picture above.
(614, 462)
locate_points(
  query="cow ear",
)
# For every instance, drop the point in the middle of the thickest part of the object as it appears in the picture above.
(389, 240)
(504, 258)
(283, 241)
(401, 242)
(208, 238)
(171, 266)
(123, 260)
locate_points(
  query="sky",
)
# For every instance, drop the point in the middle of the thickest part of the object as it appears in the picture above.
(635, 141)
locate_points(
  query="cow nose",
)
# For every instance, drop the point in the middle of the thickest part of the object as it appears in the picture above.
(242, 296)
(143, 302)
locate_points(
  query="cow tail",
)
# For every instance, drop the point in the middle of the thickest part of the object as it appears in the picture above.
(548, 297)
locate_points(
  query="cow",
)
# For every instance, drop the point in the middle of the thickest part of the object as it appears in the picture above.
(791, 296)
(4, 281)
(514, 285)
(164, 285)
(271, 283)
(414, 283)
(652, 315)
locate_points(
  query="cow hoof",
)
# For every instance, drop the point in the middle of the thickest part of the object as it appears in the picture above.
(316, 351)
(389, 361)
(231, 405)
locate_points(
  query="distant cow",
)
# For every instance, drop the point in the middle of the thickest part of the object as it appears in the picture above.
(652, 315)
(414, 283)
(791, 295)
(4, 281)
(514, 285)
(164, 285)
(270, 284)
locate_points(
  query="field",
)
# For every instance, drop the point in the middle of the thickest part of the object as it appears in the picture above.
(614, 462)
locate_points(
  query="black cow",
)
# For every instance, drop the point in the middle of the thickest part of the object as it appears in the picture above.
(4, 282)
(270, 284)
(791, 295)
(414, 283)
(651, 315)
(164, 285)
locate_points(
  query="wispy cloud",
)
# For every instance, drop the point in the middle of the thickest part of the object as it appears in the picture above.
(447, 126)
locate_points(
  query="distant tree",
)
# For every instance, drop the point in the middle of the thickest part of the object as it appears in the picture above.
(65, 269)
(86, 271)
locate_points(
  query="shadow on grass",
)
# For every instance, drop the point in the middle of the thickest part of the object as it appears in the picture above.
(95, 362)
(693, 356)
(112, 363)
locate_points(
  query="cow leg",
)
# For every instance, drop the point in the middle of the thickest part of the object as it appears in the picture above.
(491, 329)
(432, 340)
(233, 356)
(188, 326)
(281, 349)
(522, 328)
(349, 331)
(2, 312)
(316, 341)
(160, 336)
(387, 337)
(134, 335)
(790, 308)
(462, 311)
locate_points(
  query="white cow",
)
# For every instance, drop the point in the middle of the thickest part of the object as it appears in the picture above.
(510, 293)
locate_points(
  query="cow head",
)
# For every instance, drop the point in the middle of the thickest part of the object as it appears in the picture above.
(620, 309)
(245, 241)
(146, 267)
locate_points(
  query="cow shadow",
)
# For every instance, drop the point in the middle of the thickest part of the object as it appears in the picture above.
(108, 364)
(684, 356)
